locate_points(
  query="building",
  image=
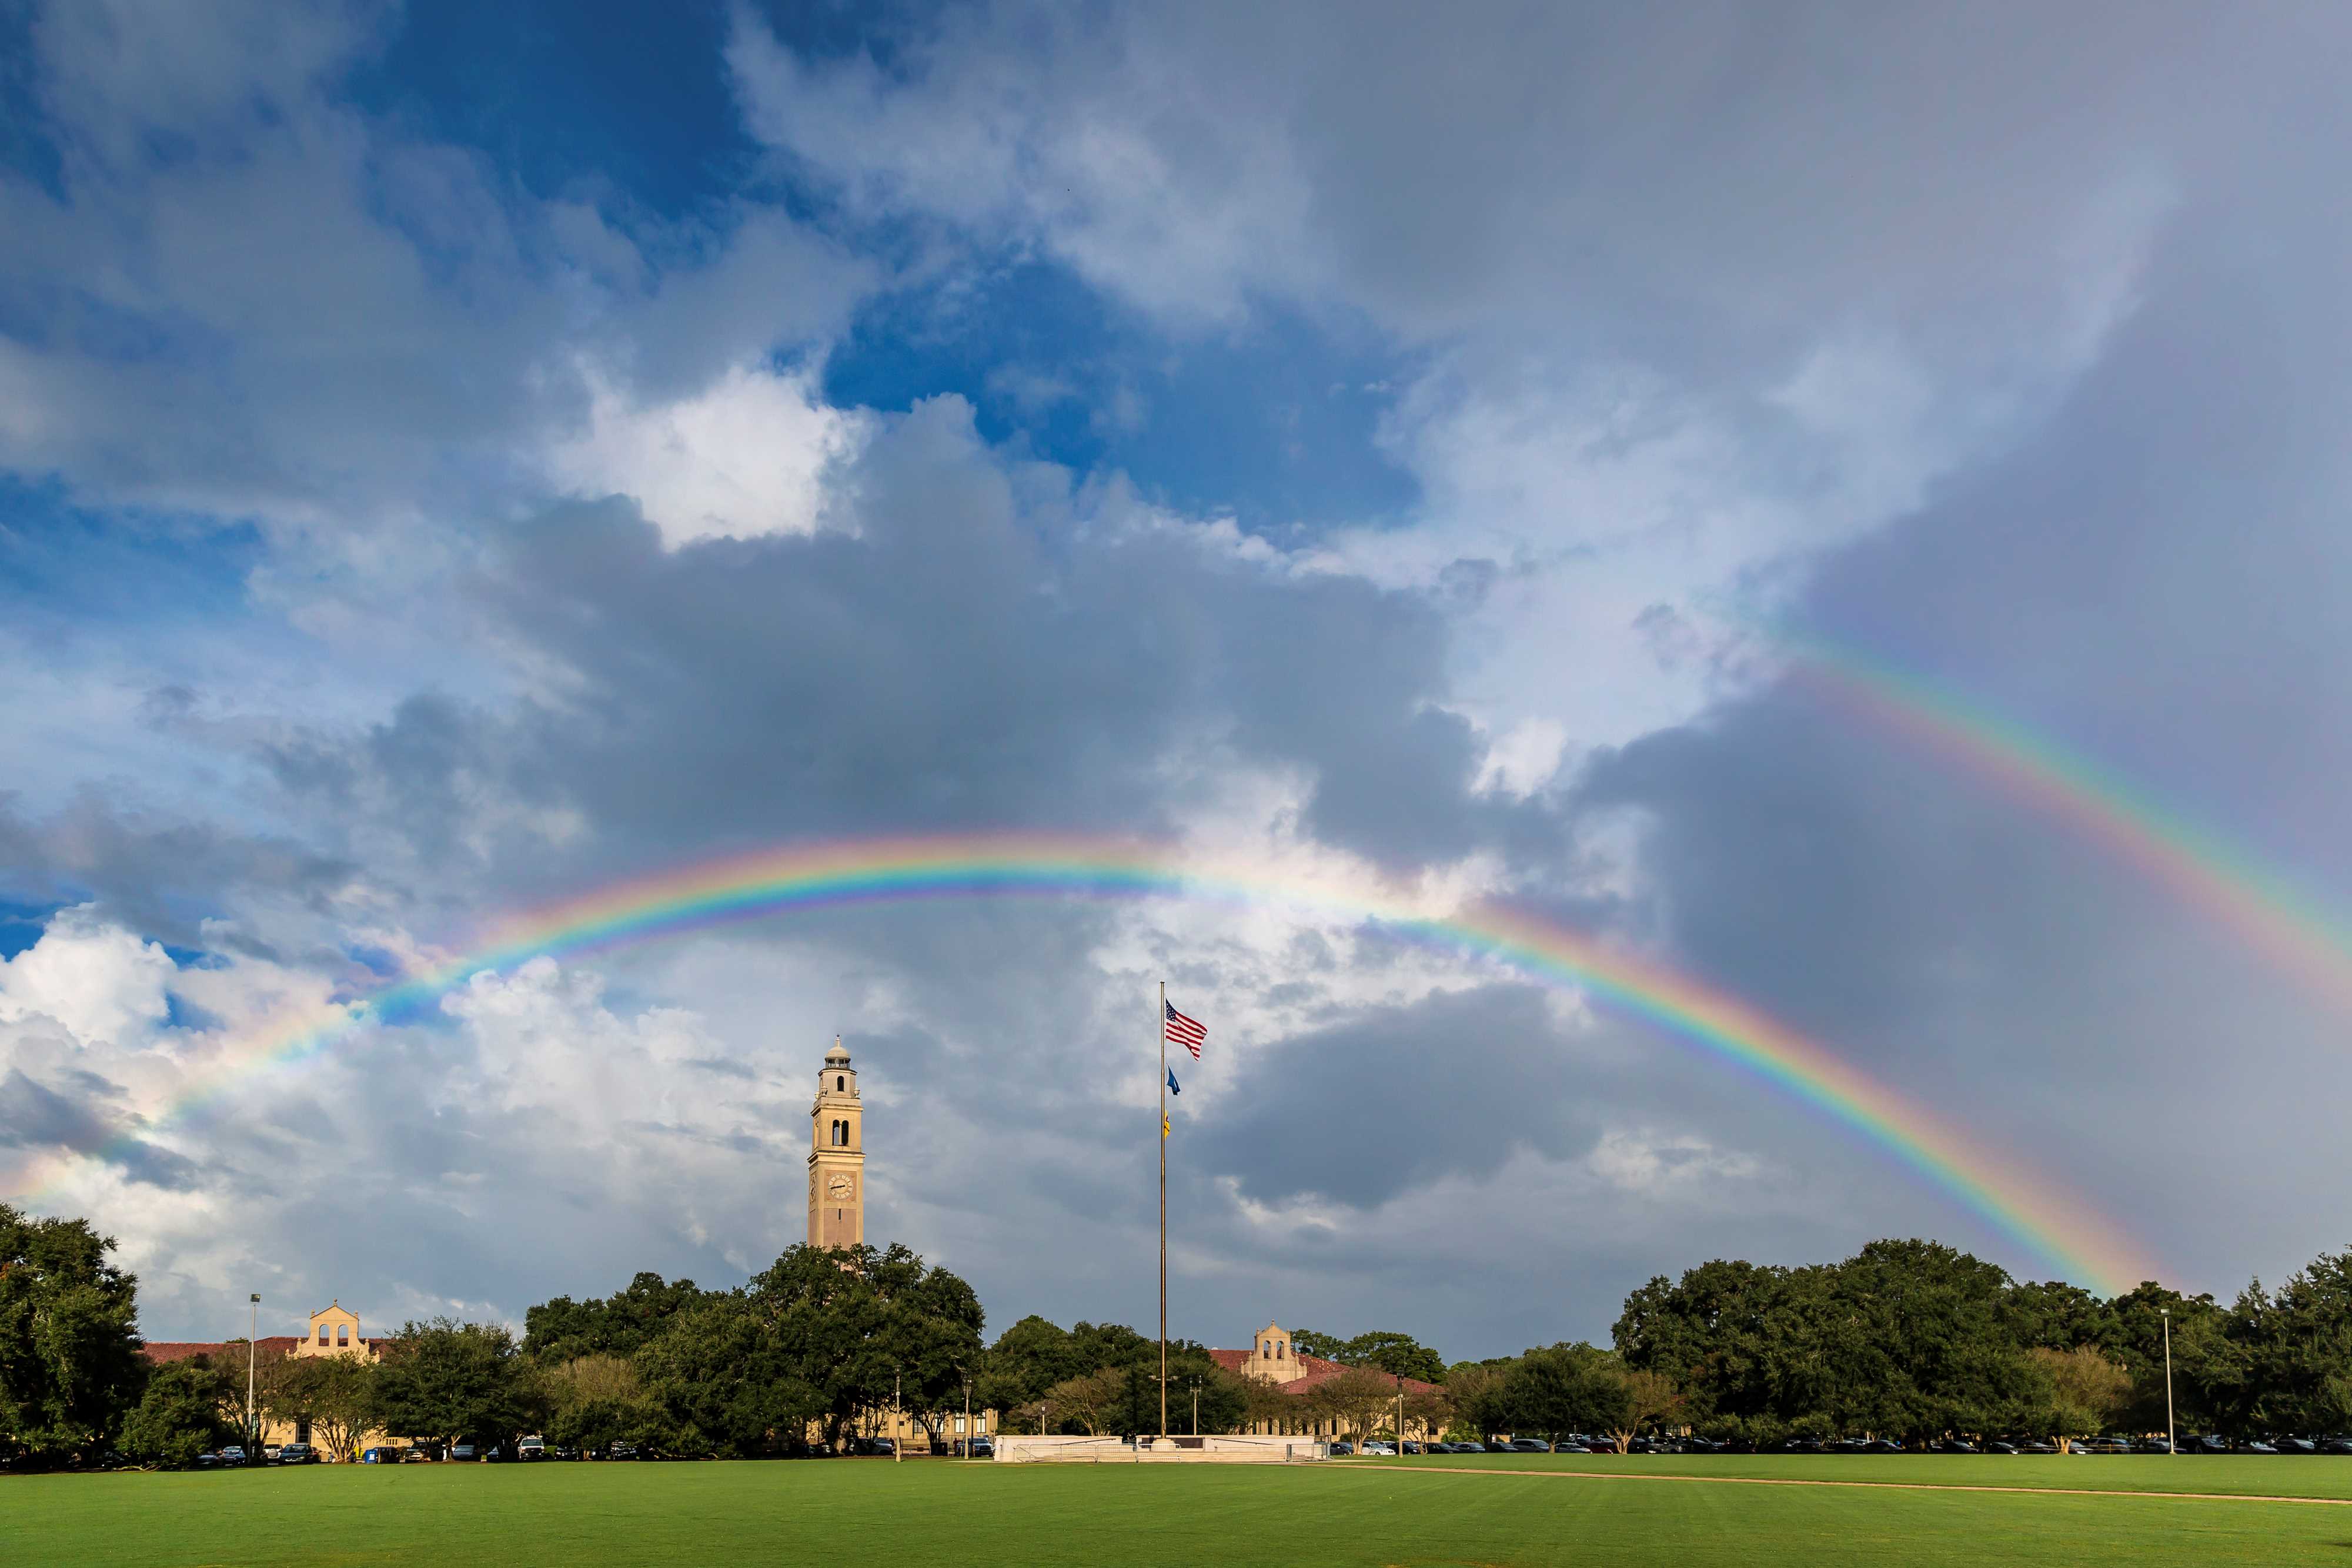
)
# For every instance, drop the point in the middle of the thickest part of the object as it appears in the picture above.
(837, 1159)
(1272, 1358)
(333, 1330)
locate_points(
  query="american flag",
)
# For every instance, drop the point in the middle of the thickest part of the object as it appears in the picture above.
(1181, 1031)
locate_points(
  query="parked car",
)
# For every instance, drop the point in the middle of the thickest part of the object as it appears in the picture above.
(1956, 1446)
(2037, 1447)
(2000, 1446)
(2256, 1446)
(2295, 1444)
(1411, 1446)
(532, 1448)
(562, 1451)
(1388, 1450)
(297, 1454)
(269, 1453)
(976, 1448)
(1803, 1446)
(2104, 1445)
(232, 1455)
(1467, 1445)
(1527, 1445)
(2336, 1445)
(464, 1453)
(2155, 1446)
(379, 1456)
(1342, 1449)
(1881, 1446)
(2210, 1443)
(1702, 1446)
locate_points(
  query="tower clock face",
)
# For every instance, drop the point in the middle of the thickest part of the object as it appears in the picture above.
(840, 1186)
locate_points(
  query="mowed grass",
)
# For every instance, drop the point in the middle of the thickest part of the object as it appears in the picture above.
(2236, 1475)
(861, 1511)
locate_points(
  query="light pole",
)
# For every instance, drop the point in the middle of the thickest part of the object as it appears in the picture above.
(1196, 1405)
(253, 1301)
(897, 1418)
(1400, 1377)
(968, 1443)
(2171, 1445)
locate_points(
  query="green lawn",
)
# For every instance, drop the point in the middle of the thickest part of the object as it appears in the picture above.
(858, 1512)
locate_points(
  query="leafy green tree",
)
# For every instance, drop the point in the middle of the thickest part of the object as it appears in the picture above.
(443, 1382)
(929, 1334)
(1359, 1401)
(1566, 1388)
(1223, 1402)
(1027, 1360)
(1093, 1400)
(2056, 1316)
(181, 1417)
(2206, 1367)
(563, 1330)
(2297, 1343)
(335, 1394)
(1394, 1353)
(70, 1366)
(723, 1380)
(2087, 1391)
(594, 1401)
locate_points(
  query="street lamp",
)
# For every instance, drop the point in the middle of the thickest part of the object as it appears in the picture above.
(253, 1301)
(1196, 1405)
(2171, 1445)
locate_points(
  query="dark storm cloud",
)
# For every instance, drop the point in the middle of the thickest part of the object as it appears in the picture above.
(163, 875)
(1403, 1096)
(2159, 574)
(35, 1116)
(970, 656)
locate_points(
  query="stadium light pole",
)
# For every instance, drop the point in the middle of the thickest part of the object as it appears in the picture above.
(252, 1347)
(2171, 1444)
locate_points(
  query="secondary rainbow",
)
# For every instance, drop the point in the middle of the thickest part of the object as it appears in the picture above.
(2038, 1216)
(2221, 881)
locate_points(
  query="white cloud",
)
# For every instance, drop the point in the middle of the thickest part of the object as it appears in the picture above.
(100, 981)
(746, 456)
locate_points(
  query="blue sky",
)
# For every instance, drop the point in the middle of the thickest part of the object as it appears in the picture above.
(454, 456)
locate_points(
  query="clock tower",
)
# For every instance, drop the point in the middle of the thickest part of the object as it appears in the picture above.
(836, 1155)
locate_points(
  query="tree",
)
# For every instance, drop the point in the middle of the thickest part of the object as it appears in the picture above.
(1478, 1391)
(70, 1365)
(335, 1394)
(563, 1330)
(2086, 1390)
(1027, 1359)
(595, 1401)
(1651, 1398)
(179, 1417)
(929, 1334)
(1310, 1341)
(1090, 1399)
(724, 1378)
(446, 1382)
(2297, 1342)
(1358, 1400)
(1567, 1388)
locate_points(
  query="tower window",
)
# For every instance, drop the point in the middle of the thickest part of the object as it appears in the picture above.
(841, 1081)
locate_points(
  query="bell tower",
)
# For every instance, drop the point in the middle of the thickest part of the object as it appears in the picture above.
(836, 1155)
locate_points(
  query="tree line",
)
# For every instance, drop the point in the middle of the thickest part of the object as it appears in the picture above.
(1910, 1340)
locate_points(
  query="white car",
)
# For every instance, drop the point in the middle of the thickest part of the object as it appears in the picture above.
(1388, 1448)
(532, 1448)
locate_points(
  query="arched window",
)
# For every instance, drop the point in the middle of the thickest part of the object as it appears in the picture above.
(322, 1334)
(841, 1082)
(342, 1334)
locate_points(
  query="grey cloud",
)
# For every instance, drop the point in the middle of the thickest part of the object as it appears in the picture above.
(974, 654)
(35, 1116)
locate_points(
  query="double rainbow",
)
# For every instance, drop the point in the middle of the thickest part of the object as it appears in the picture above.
(2040, 1218)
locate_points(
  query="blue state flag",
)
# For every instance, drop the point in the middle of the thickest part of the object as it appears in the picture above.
(1171, 1082)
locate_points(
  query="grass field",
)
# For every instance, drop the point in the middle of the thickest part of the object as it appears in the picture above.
(857, 1511)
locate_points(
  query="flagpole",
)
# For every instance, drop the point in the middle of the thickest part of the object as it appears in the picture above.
(1161, 1018)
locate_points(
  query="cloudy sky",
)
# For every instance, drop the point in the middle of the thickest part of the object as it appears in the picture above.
(454, 457)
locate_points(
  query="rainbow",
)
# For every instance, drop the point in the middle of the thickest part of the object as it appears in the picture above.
(2216, 879)
(2037, 1215)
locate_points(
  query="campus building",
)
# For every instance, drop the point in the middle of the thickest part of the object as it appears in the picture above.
(333, 1330)
(1272, 1358)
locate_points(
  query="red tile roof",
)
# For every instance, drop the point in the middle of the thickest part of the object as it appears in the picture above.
(1317, 1371)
